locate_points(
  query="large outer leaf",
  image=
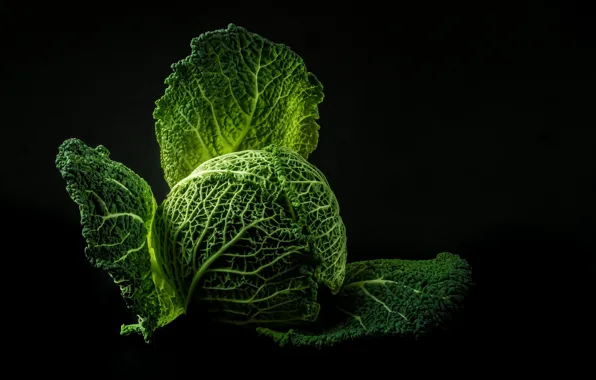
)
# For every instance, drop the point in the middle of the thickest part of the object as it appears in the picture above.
(234, 238)
(235, 91)
(117, 208)
(408, 298)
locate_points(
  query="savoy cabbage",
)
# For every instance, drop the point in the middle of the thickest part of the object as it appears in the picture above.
(250, 232)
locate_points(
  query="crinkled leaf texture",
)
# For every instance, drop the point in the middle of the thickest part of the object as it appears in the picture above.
(117, 209)
(249, 236)
(236, 91)
(389, 297)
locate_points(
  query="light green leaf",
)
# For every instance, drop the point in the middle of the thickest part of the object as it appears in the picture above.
(236, 91)
(408, 298)
(117, 209)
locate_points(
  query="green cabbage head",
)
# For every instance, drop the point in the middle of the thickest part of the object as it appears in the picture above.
(259, 230)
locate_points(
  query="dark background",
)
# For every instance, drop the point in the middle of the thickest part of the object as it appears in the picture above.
(462, 128)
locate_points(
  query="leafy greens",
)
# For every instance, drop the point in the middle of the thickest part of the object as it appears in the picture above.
(250, 232)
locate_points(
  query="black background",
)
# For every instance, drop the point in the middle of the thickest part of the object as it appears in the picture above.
(453, 128)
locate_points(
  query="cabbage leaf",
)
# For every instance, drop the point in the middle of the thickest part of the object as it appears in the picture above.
(235, 91)
(117, 209)
(388, 297)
